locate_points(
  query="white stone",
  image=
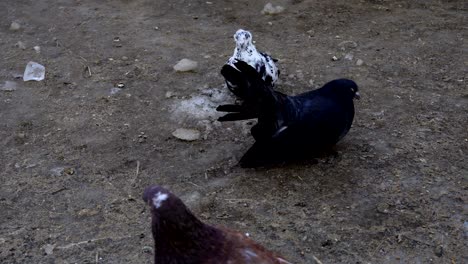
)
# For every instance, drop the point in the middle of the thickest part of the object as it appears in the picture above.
(347, 45)
(349, 56)
(185, 65)
(49, 249)
(37, 49)
(57, 171)
(34, 72)
(20, 45)
(269, 9)
(9, 86)
(186, 134)
(115, 90)
(359, 62)
(15, 26)
(169, 94)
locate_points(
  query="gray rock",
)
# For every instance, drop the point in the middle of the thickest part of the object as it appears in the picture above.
(115, 90)
(269, 9)
(147, 249)
(186, 134)
(347, 45)
(57, 171)
(349, 56)
(34, 72)
(15, 26)
(439, 251)
(20, 45)
(186, 65)
(9, 86)
(49, 249)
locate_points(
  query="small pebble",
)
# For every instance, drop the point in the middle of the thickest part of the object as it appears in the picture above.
(120, 85)
(269, 9)
(169, 94)
(87, 212)
(115, 90)
(359, 62)
(334, 58)
(20, 45)
(186, 134)
(185, 65)
(69, 171)
(349, 57)
(15, 26)
(49, 249)
(37, 49)
(147, 249)
(439, 251)
(382, 208)
(57, 171)
(347, 45)
(17, 75)
(9, 86)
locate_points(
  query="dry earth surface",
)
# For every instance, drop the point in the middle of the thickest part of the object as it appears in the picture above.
(75, 157)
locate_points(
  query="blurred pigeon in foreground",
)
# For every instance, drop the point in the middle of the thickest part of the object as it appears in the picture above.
(245, 50)
(180, 238)
(291, 126)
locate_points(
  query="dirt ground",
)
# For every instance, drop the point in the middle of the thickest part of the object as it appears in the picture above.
(75, 158)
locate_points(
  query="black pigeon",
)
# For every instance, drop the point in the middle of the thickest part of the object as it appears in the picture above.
(290, 127)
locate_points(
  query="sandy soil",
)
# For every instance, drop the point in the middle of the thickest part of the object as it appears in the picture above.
(70, 192)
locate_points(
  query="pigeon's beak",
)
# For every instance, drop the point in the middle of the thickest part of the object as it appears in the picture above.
(357, 96)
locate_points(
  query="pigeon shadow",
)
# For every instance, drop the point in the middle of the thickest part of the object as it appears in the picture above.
(269, 159)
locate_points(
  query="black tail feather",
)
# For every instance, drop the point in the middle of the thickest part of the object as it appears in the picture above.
(247, 70)
(237, 116)
(229, 108)
(235, 80)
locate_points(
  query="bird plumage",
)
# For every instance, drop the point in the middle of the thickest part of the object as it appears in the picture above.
(181, 238)
(290, 126)
(246, 51)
